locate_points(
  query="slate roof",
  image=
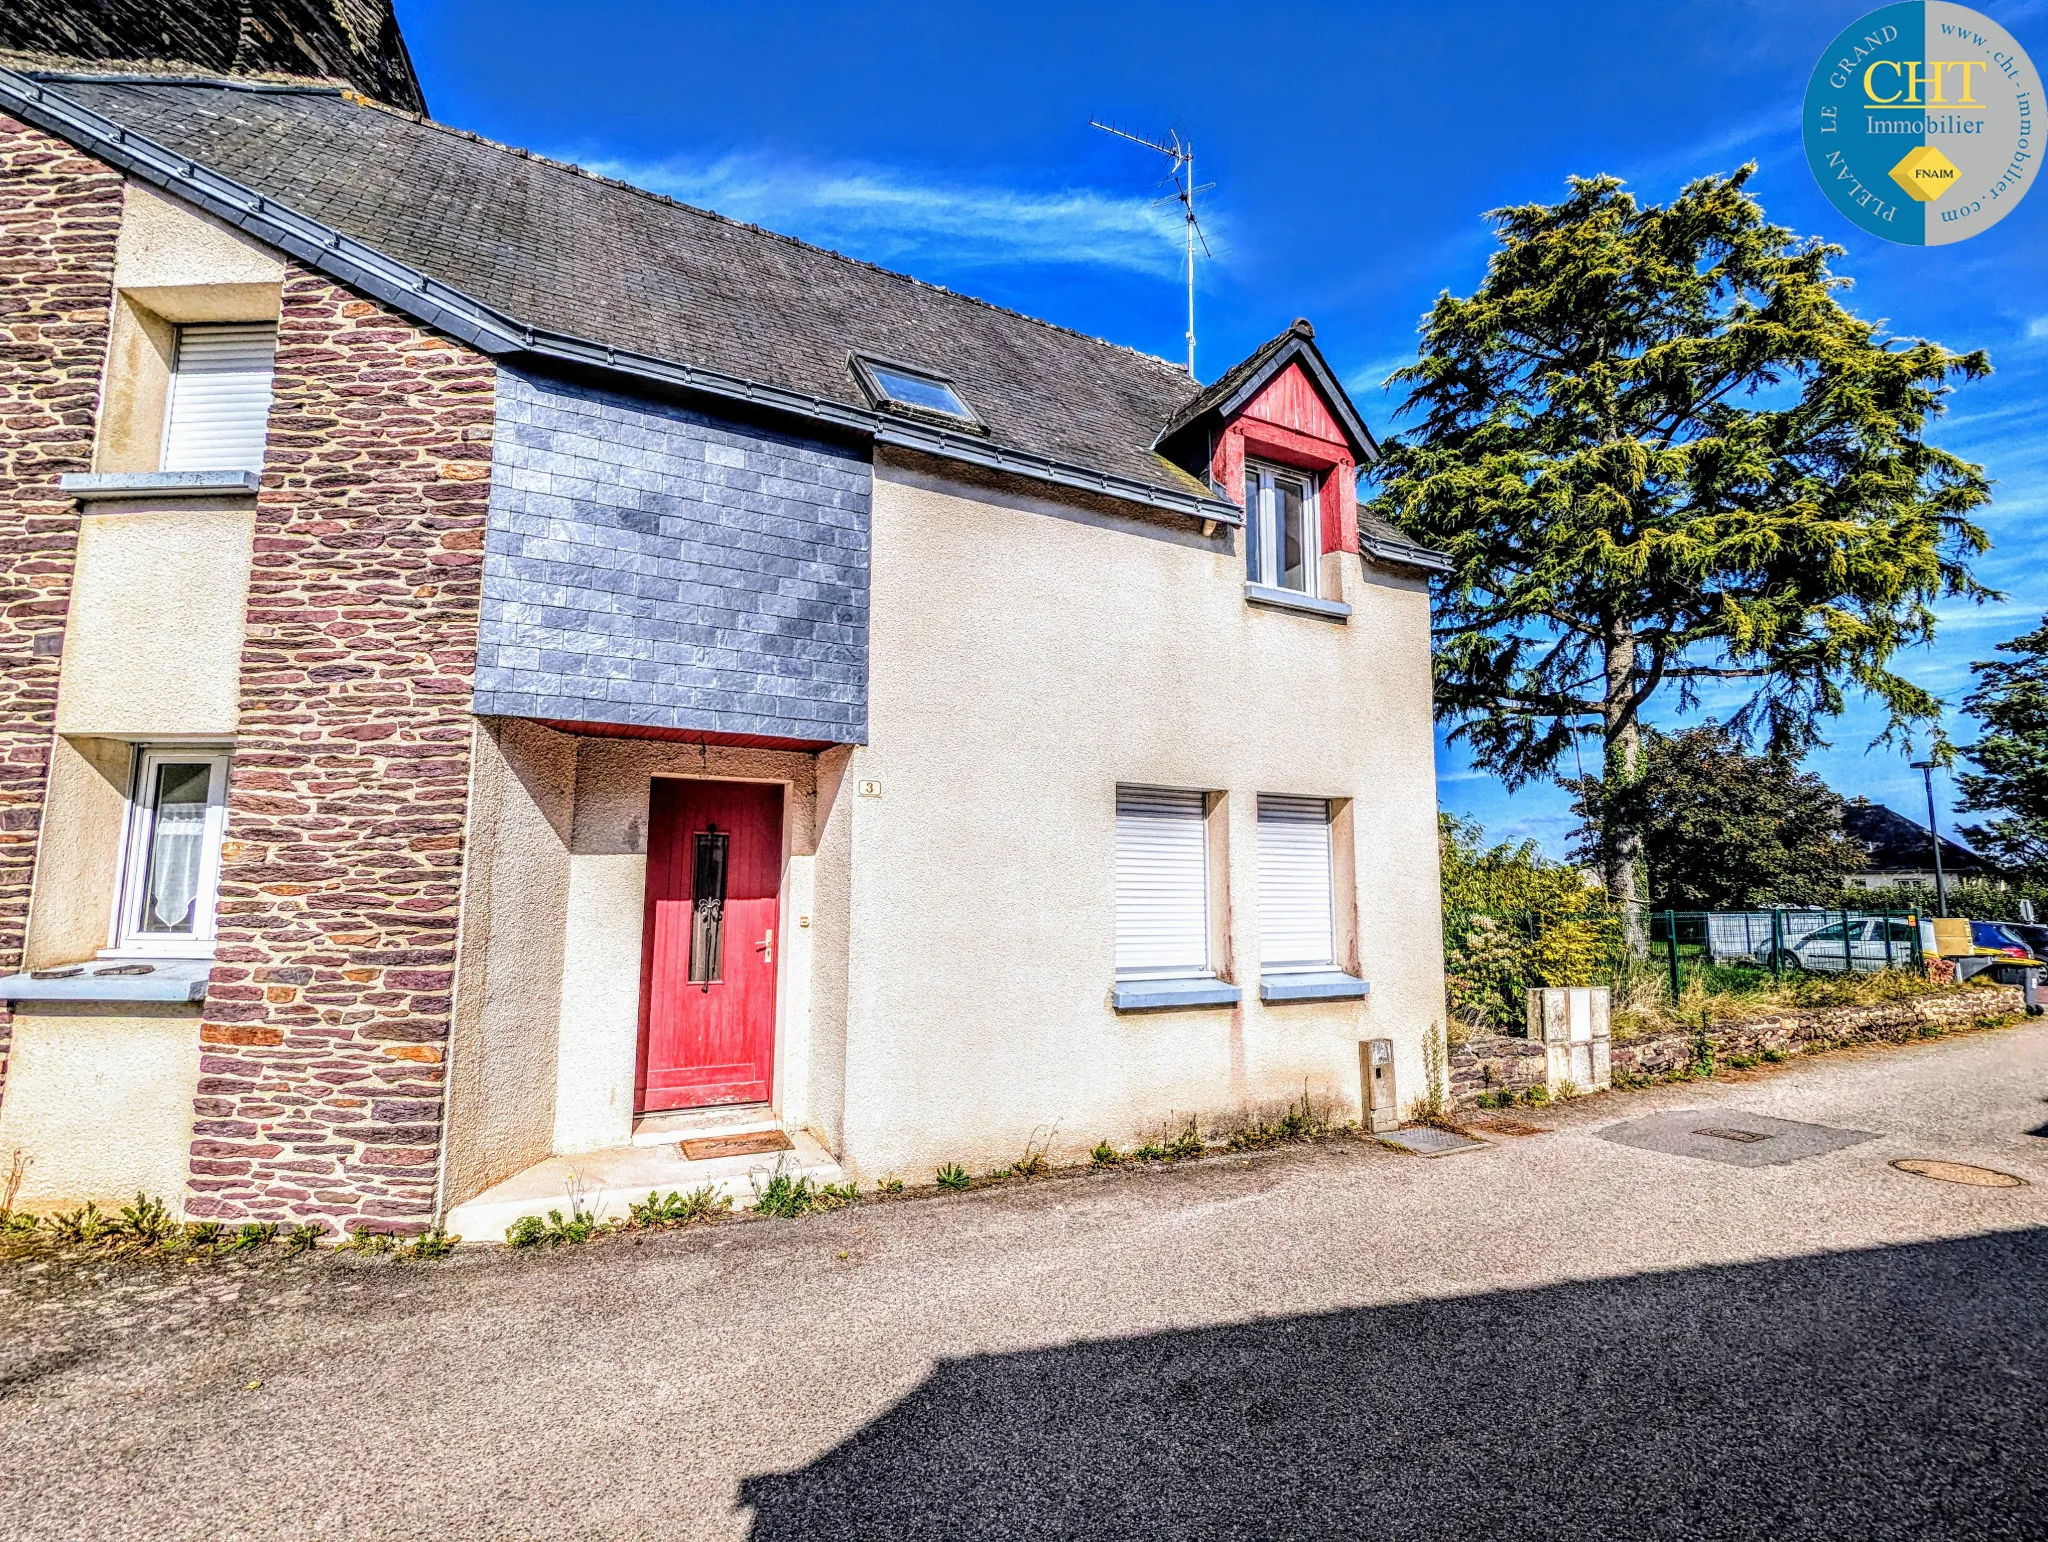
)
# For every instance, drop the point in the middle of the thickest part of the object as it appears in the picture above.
(1897, 844)
(568, 252)
(356, 42)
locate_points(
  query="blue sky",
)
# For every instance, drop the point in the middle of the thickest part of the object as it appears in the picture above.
(1354, 147)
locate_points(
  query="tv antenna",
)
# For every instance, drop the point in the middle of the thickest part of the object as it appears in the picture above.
(1180, 155)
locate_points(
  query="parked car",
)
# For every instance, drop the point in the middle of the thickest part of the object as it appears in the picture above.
(2033, 935)
(1870, 943)
(2005, 937)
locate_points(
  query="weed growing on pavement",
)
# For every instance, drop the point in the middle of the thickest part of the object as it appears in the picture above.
(147, 1223)
(1105, 1155)
(701, 1204)
(837, 1196)
(1033, 1163)
(953, 1176)
(252, 1234)
(888, 1188)
(304, 1238)
(786, 1195)
(84, 1225)
(201, 1236)
(10, 1190)
(1187, 1142)
(364, 1240)
(1299, 1121)
(1434, 1106)
(429, 1246)
(1151, 1151)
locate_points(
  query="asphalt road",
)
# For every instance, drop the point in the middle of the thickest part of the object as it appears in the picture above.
(1559, 1336)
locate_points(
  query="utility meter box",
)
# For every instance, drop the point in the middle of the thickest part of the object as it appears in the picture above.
(1571, 1023)
(1376, 1070)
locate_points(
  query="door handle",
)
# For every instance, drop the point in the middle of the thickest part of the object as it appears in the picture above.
(767, 946)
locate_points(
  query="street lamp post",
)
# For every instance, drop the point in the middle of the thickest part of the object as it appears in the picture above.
(1926, 769)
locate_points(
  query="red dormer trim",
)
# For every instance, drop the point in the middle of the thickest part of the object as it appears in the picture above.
(1288, 422)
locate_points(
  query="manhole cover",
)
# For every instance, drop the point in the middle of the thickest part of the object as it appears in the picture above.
(1960, 1172)
(1426, 1140)
(1746, 1137)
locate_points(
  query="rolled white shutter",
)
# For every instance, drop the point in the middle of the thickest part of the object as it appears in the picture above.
(1295, 925)
(219, 407)
(1162, 882)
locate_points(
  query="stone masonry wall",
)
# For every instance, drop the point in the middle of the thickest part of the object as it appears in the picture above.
(1489, 1064)
(60, 213)
(320, 1094)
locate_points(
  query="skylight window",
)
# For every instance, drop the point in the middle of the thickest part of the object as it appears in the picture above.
(899, 386)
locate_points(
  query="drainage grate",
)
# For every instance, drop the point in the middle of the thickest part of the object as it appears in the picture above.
(1959, 1172)
(1746, 1137)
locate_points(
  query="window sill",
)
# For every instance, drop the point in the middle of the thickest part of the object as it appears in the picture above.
(168, 979)
(1305, 604)
(1164, 995)
(100, 486)
(1313, 985)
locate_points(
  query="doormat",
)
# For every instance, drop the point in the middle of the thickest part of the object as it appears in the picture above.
(1427, 1140)
(755, 1143)
(1739, 1139)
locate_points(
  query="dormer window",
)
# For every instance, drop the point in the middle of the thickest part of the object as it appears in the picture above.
(1282, 528)
(904, 389)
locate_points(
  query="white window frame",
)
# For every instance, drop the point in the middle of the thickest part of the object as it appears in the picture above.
(1206, 967)
(129, 940)
(1262, 542)
(1287, 810)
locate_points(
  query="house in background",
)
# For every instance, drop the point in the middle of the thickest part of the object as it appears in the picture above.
(1901, 854)
(508, 675)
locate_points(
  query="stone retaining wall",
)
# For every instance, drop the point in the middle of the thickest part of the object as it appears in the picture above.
(1488, 1064)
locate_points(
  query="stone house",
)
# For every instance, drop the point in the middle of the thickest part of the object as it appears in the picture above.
(512, 681)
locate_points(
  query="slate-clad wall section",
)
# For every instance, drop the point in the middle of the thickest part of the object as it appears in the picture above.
(652, 565)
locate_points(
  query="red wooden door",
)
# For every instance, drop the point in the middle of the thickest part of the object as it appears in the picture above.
(707, 973)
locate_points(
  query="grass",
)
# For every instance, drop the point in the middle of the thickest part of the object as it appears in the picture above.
(786, 1195)
(1724, 994)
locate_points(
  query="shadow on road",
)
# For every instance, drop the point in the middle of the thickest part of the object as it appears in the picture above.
(1901, 1392)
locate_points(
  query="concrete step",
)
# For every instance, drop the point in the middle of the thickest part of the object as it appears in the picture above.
(610, 1181)
(703, 1123)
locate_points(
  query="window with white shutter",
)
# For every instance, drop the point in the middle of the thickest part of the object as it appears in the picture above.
(1162, 882)
(1296, 926)
(219, 407)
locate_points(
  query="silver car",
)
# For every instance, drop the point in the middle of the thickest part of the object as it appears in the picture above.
(1869, 944)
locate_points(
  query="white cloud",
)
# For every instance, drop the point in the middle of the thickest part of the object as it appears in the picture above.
(2037, 329)
(898, 217)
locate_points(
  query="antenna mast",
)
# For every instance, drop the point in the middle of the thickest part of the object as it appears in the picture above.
(1180, 155)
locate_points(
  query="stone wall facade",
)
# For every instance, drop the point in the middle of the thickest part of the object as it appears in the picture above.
(1487, 1065)
(60, 214)
(320, 1094)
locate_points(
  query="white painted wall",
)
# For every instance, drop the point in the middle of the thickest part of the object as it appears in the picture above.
(1026, 658)
(99, 1100)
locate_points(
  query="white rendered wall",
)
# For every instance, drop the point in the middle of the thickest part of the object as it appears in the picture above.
(1026, 658)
